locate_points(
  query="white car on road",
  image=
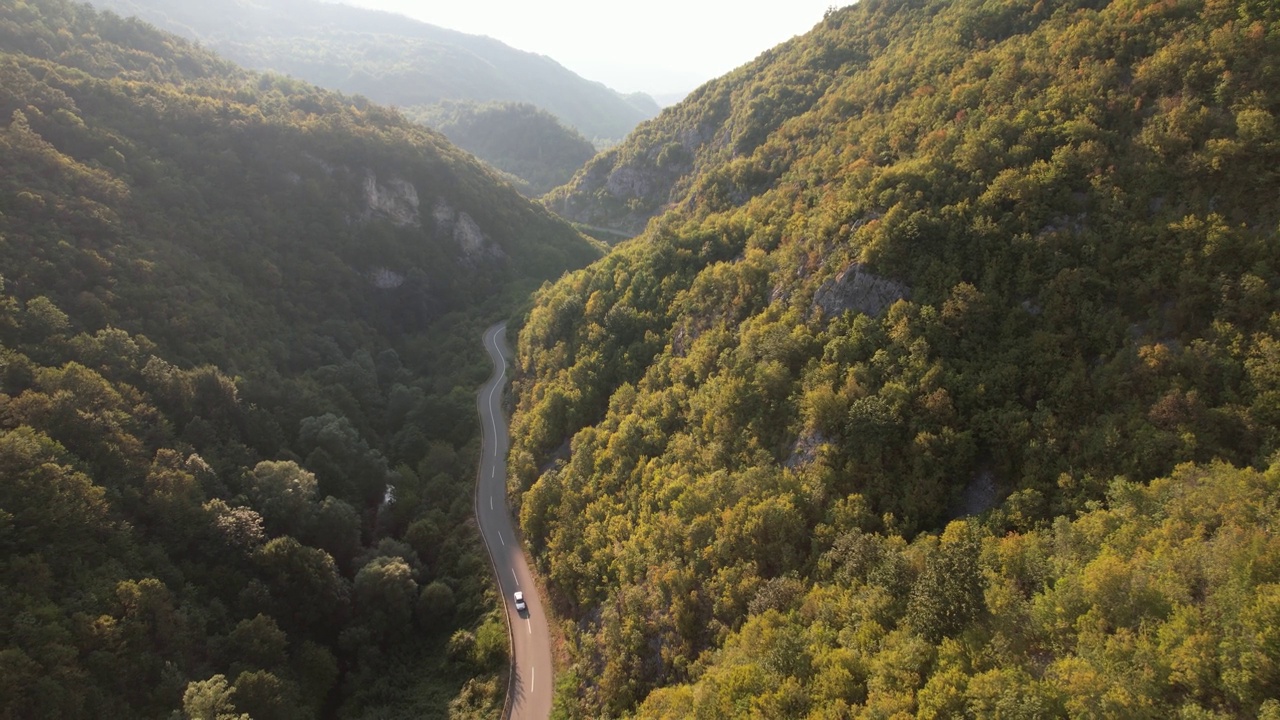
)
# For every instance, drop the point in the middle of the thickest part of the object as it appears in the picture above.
(520, 604)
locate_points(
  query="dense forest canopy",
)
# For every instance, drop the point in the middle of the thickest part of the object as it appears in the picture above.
(239, 322)
(1004, 260)
(392, 59)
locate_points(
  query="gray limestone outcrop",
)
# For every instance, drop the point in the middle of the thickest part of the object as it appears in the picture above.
(394, 199)
(856, 288)
(477, 247)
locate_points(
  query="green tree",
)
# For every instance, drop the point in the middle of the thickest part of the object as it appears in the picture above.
(306, 590)
(436, 605)
(210, 699)
(948, 595)
(256, 644)
(266, 696)
(285, 495)
(385, 594)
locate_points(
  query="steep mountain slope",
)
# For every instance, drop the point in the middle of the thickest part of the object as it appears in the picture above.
(934, 259)
(237, 322)
(388, 58)
(655, 167)
(517, 138)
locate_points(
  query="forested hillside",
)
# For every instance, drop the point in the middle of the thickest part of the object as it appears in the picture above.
(530, 145)
(656, 167)
(239, 322)
(390, 58)
(1163, 604)
(1004, 260)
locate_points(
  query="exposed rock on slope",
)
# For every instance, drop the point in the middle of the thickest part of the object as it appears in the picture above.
(396, 200)
(856, 288)
(477, 248)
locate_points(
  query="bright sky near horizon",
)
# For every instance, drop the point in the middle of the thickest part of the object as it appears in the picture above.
(654, 46)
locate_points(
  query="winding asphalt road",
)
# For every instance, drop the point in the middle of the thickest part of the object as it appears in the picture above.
(531, 686)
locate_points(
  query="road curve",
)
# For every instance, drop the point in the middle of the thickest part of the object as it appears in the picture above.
(531, 685)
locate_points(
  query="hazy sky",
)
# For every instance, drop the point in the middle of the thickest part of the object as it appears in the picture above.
(658, 46)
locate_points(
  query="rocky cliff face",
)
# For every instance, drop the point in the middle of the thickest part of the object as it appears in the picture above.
(623, 188)
(477, 247)
(858, 289)
(394, 199)
(619, 195)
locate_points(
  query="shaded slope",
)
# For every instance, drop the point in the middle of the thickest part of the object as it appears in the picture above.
(234, 310)
(230, 160)
(929, 250)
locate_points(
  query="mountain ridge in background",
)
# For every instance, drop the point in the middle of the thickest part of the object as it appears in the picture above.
(392, 59)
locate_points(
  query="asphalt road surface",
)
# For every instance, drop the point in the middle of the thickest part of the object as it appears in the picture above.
(531, 683)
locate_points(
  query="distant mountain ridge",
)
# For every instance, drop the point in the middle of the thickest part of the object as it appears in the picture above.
(391, 59)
